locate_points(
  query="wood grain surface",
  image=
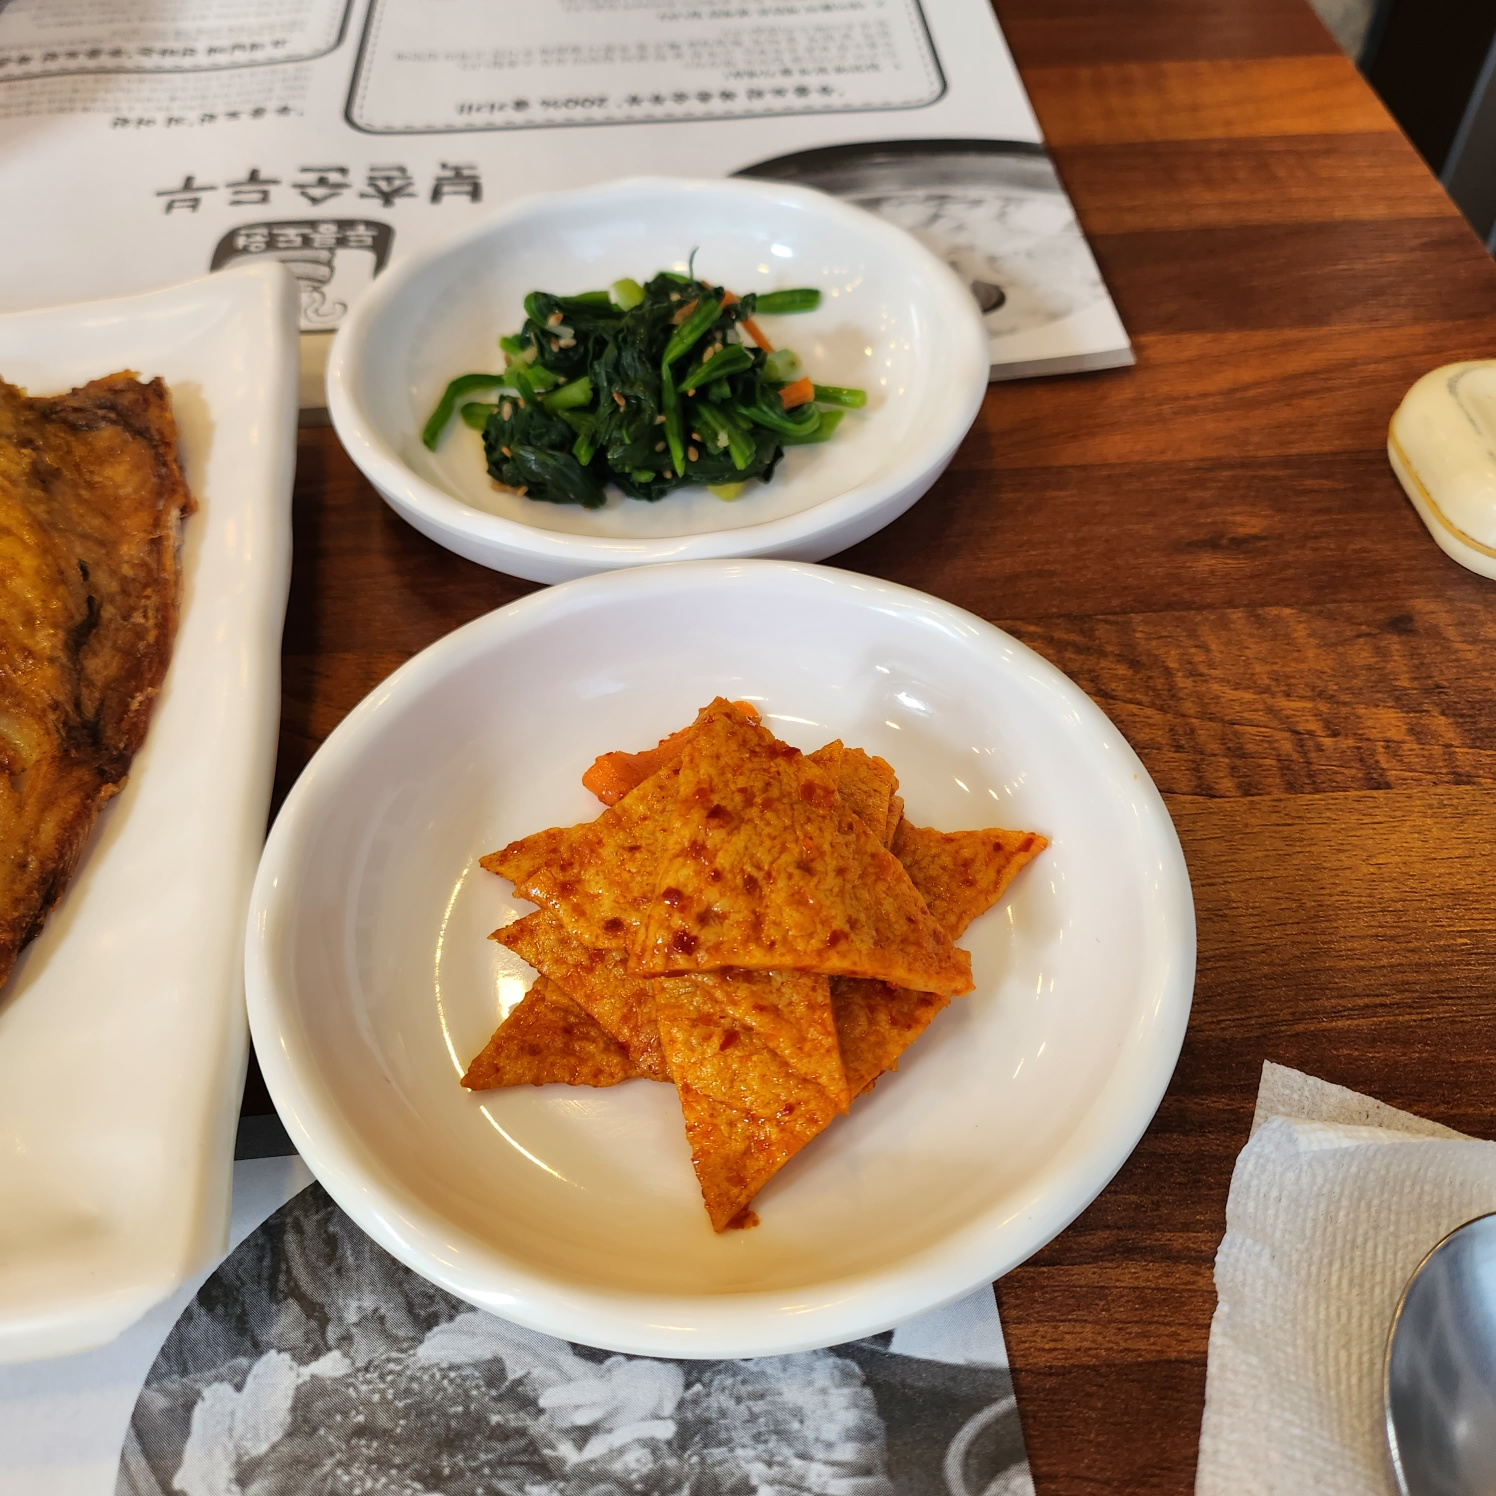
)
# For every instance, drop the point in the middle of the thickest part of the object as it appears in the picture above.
(1213, 546)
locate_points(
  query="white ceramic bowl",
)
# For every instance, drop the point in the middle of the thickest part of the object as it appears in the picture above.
(893, 319)
(575, 1212)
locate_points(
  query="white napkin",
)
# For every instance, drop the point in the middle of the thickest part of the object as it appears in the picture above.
(1334, 1201)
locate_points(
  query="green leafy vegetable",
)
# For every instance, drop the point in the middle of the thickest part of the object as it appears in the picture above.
(645, 387)
(672, 419)
(836, 394)
(718, 362)
(776, 303)
(569, 396)
(826, 423)
(782, 366)
(696, 324)
(464, 384)
(768, 412)
(627, 293)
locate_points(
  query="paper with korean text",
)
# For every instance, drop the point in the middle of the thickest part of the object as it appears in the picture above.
(147, 143)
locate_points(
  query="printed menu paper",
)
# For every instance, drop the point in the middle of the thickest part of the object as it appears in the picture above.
(142, 145)
(309, 1361)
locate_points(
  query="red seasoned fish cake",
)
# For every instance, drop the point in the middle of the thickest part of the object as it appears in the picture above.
(547, 1039)
(597, 980)
(763, 868)
(962, 874)
(597, 877)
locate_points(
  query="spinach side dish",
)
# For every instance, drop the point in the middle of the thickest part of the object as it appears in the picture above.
(649, 387)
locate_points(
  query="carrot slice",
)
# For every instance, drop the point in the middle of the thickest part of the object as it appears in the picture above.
(613, 775)
(755, 332)
(798, 393)
(748, 325)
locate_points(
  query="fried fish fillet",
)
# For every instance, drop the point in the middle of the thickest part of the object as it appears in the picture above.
(91, 504)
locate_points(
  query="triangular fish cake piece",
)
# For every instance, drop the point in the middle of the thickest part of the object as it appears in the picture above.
(598, 981)
(876, 1023)
(895, 815)
(866, 785)
(786, 1014)
(762, 868)
(759, 1041)
(598, 877)
(763, 1045)
(547, 1039)
(962, 874)
(788, 1011)
(735, 1154)
(613, 775)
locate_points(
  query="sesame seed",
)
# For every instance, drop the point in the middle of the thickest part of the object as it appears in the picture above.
(507, 411)
(692, 454)
(659, 420)
(554, 320)
(669, 473)
(618, 399)
(675, 296)
(710, 353)
(521, 400)
(659, 446)
(555, 345)
(696, 436)
(568, 342)
(506, 452)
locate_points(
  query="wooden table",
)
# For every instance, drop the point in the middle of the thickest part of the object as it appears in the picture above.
(1213, 546)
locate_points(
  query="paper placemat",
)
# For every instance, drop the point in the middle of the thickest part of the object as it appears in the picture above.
(310, 1363)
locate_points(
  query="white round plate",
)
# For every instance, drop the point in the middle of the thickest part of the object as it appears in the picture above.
(893, 320)
(574, 1211)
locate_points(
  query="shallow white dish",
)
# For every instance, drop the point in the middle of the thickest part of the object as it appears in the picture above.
(893, 319)
(1442, 446)
(122, 1035)
(575, 1212)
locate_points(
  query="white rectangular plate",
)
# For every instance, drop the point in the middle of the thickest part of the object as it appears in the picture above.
(122, 1033)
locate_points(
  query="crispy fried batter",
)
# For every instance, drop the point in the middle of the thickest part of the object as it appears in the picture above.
(548, 1039)
(598, 981)
(91, 504)
(762, 868)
